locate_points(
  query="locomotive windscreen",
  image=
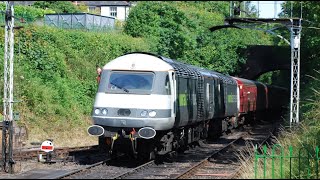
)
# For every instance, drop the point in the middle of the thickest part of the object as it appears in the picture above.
(126, 81)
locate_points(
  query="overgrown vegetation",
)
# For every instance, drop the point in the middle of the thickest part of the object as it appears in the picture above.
(57, 6)
(25, 13)
(180, 30)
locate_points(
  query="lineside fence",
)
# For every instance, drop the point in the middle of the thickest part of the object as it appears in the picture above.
(280, 163)
(80, 21)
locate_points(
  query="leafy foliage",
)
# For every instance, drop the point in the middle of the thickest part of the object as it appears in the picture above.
(167, 27)
(57, 6)
(27, 13)
(180, 30)
(82, 7)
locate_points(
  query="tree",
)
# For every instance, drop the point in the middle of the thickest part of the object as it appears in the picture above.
(82, 7)
(180, 30)
(57, 6)
(168, 28)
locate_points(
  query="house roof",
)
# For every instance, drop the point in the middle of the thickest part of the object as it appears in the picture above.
(105, 3)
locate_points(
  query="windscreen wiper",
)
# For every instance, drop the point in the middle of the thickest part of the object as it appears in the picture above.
(119, 87)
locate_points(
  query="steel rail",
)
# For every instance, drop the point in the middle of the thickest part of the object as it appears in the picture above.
(190, 170)
(121, 176)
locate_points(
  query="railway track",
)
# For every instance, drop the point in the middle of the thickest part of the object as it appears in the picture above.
(77, 171)
(218, 163)
(108, 169)
(154, 170)
(207, 160)
(59, 154)
(204, 165)
(223, 164)
(214, 161)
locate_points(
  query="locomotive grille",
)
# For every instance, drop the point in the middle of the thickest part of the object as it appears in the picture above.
(124, 112)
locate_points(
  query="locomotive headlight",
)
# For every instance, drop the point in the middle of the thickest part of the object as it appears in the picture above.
(152, 113)
(97, 111)
(104, 111)
(144, 113)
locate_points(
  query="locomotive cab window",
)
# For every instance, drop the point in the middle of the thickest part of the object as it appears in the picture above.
(126, 82)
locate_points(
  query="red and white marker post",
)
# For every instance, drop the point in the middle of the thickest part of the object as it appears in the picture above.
(47, 146)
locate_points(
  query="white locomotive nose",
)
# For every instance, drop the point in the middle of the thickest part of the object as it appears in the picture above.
(95, 130)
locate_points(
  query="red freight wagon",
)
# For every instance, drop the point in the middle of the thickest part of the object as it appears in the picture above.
(247, 95)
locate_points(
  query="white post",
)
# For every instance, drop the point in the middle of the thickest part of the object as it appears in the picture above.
(7, 129)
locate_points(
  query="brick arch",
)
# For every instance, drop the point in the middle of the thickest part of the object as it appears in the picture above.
(262, 59)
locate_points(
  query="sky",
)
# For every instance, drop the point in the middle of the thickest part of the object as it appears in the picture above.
(267, 9)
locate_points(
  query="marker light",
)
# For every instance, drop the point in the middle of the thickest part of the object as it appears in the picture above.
(104, 111)
(144, 113)
(97, 111)
(152, 113)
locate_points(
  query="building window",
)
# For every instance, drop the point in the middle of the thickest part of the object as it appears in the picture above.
(113, 11)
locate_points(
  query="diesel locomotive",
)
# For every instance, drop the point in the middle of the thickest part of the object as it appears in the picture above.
(149, 105)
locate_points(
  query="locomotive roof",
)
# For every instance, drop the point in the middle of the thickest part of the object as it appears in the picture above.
(187, 70)
(138, 61)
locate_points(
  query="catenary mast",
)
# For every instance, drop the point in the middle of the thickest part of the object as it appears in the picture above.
(7, 129)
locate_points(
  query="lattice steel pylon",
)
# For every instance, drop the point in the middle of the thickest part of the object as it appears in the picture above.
(7, 129)
(295, 32)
